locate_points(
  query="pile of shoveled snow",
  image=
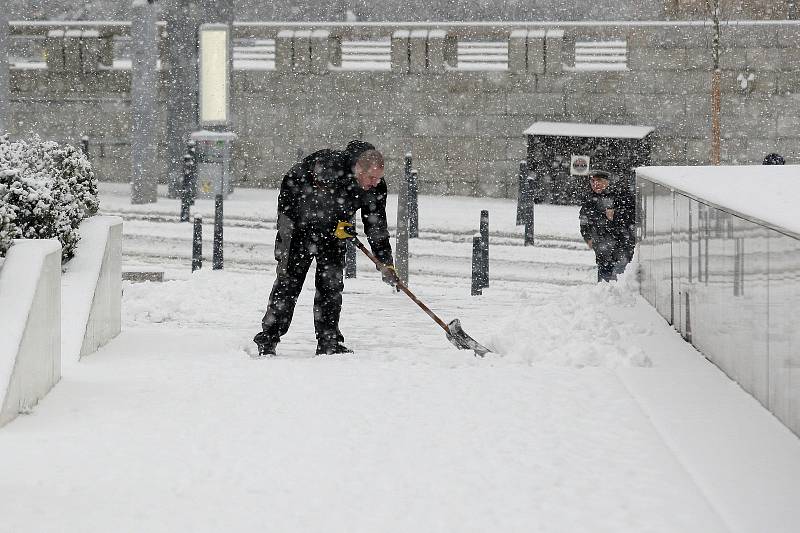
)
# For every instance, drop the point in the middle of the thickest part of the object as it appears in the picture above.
(583, 326)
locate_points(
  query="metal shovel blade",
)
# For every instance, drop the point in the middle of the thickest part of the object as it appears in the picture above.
(462, 341)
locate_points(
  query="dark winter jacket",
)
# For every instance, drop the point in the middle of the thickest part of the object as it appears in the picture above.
(321, 190)
(616, 236)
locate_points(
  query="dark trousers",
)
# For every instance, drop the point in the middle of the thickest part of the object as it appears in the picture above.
(612, 256)
(293, 266)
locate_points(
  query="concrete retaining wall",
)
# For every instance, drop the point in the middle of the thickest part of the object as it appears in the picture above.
(30, 347)
(92, 288)
(464, 128)
(45, 314)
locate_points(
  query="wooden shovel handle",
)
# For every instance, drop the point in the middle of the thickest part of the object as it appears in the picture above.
(402, 286)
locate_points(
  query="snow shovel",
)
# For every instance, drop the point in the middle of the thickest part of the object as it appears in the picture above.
(455, 334)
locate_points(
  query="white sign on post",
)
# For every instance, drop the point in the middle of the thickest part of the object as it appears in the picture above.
(214, 75)
(579, 165)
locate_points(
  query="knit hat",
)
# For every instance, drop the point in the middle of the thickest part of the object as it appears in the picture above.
(356, 147)
(774, 159)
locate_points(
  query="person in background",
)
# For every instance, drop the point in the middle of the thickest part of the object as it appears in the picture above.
(774, 159)
(607, 220)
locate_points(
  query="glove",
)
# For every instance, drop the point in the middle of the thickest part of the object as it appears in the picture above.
(390, 277)
(345, 230)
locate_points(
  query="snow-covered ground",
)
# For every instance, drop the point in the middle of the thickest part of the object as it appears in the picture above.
(592, 415)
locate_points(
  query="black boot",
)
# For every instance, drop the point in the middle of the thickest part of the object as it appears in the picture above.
(266, 346)
(332, 349)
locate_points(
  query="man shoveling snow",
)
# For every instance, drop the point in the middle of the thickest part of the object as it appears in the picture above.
(326, 187)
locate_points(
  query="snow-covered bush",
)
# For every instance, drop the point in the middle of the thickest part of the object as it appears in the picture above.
(47, 189)
(6, 228)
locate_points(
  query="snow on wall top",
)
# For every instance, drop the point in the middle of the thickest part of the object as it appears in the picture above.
(573, 129)
(762, 193)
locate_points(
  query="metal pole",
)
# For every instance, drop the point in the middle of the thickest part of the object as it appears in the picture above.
(197, 244)
(484, 230)
(413, 207)
(5, 92)
(477, 260)
(521, 194)
(217, 257)
(144, 94)
(401, 245)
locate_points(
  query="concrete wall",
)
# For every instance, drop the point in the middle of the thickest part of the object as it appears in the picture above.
(464, 128)
(30, 311)
(92, 288)
(731, 9)
(105, 315)
(376, 10)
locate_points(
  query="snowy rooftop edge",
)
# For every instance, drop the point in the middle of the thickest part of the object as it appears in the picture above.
(764, 194)
(575, 129)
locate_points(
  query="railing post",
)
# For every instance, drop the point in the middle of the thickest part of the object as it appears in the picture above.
(477, 263)
(217, 259)
(484, 231)
(413, 207)
(197, 244)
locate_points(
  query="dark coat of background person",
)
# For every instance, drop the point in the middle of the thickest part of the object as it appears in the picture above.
(315, 195)
(613, 241)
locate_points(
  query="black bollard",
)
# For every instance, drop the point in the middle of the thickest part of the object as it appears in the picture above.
(350, 269)
(529, 213)
(484, 229)
(413, 207)
(477, 266)
(217, 257)
(522, 195)
(197, 244)
(186, 188)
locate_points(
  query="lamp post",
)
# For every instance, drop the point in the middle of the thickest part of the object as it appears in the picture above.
(214, 140)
